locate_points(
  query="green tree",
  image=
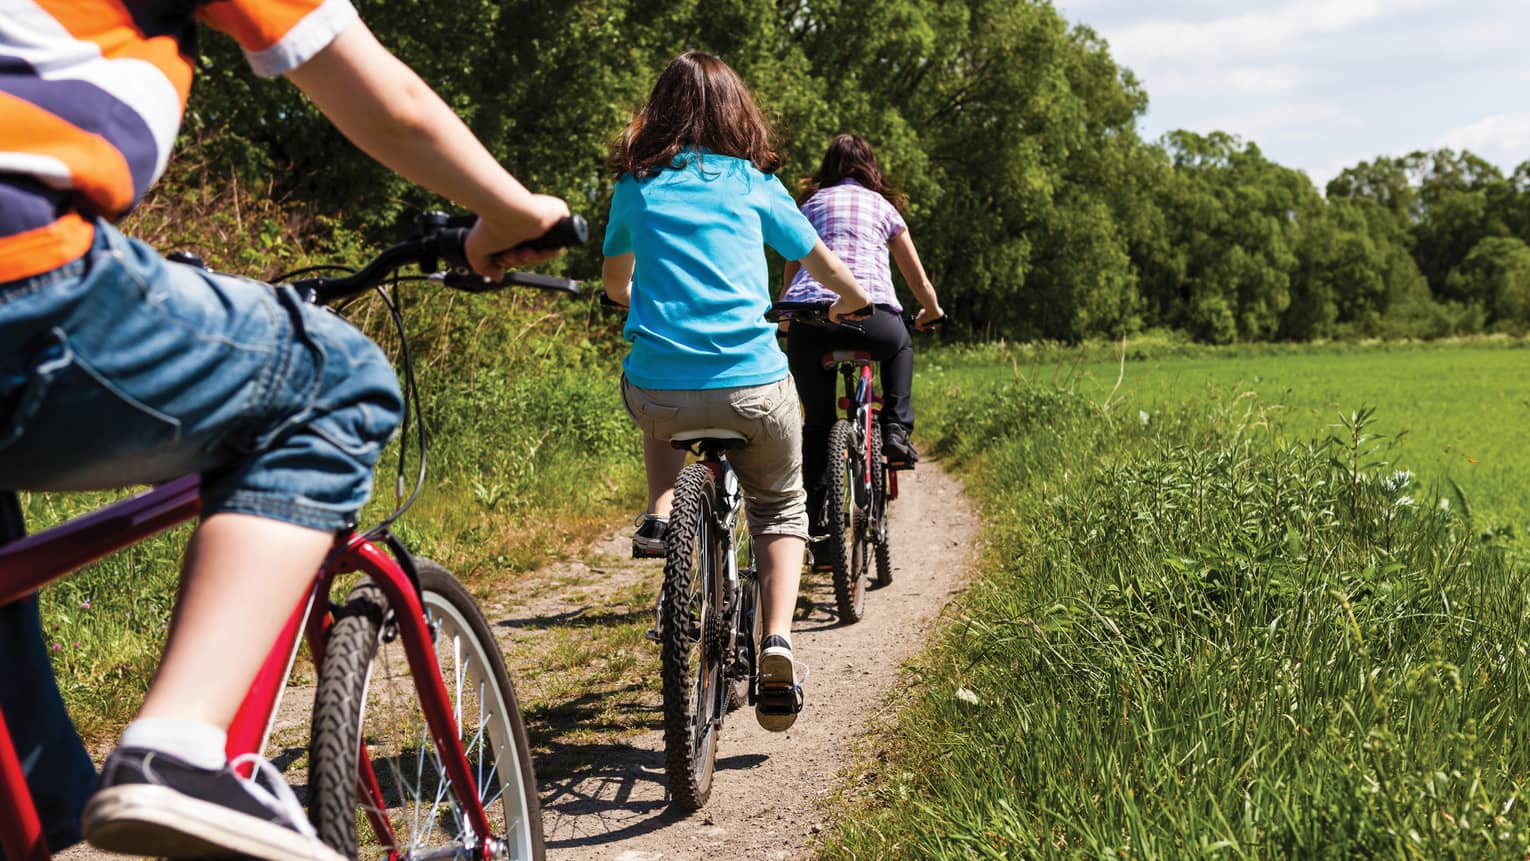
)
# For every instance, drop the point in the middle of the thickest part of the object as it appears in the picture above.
(1496, 276)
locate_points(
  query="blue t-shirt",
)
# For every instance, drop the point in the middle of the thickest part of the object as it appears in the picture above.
(699, 282)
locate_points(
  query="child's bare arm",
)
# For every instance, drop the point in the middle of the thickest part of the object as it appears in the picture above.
(616, 275)
(825, 266)
(384, 108)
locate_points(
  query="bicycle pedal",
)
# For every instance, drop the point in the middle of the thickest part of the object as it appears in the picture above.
(651, 635)
(780, 700)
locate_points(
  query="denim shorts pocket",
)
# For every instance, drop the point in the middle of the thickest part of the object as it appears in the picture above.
(66, 424)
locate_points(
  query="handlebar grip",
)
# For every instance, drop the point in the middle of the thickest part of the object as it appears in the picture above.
(607, 302)
(570, 230)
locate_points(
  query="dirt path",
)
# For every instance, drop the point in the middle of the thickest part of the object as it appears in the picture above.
(572, 635)
(767, 796)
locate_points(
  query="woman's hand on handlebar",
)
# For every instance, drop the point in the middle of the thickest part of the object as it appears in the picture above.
(491, 247)
(928, 316)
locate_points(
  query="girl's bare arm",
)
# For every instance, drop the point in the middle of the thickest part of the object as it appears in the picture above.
(616, 275)
(825, 266)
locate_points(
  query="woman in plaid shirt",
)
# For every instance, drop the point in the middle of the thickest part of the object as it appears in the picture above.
(859, 216)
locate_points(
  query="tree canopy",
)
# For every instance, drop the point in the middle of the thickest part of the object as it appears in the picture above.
(1036, 206)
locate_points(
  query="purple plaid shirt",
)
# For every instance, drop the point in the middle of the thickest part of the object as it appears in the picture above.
(856, 223)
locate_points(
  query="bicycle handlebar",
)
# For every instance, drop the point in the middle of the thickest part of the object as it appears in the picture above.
(443, 239)
(816, 313)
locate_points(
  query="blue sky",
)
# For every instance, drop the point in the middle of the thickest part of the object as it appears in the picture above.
(1320, 85)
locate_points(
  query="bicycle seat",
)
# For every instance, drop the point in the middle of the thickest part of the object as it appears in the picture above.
(720, 439)
(845, 357)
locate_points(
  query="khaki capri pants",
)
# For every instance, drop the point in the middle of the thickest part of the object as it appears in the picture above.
(769, 467)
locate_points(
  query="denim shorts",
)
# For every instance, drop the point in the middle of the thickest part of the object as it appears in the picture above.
(122, 368)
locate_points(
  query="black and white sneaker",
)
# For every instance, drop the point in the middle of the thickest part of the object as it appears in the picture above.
(155, 804)
(648, 540)
(780, 693)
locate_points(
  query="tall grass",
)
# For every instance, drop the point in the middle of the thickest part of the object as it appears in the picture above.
(1194, 639)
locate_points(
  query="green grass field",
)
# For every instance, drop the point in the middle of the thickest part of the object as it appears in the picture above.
(1208, 625)
(1458, 412)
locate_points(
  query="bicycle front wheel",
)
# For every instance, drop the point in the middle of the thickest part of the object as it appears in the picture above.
(692, 639)
(372, 751)
(848, 518)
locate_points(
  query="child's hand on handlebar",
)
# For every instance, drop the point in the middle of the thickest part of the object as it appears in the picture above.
(491, 248)
(850, 308)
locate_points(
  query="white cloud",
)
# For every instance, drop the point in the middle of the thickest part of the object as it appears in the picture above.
(1501, 138)
(1245, 80)
(1293, 120)
(1261, 32)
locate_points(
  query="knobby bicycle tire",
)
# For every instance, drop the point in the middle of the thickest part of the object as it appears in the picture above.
(881, 534)
(366, 692)
(849, 536)
(690, 669)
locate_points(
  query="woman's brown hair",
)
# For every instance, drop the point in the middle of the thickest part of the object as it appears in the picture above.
(698, 101)
(851, 157)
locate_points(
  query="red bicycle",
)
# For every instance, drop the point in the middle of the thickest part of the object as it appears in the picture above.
(859, 481)
(415, 720)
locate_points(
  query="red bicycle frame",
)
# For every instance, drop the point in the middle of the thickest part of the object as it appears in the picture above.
(30, 563)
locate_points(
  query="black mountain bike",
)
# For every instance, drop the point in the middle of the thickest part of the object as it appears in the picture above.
(709, 617)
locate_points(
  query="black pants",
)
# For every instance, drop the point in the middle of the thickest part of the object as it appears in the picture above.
(886, 339)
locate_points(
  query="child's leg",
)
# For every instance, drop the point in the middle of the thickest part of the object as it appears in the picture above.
(663, 463)
(779, 561)
(242, 578)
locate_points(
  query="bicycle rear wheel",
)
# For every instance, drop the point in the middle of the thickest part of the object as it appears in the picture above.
(367, 694)
(692, 633)
(849, 544)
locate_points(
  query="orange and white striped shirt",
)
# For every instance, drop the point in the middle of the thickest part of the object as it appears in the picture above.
(91, 98)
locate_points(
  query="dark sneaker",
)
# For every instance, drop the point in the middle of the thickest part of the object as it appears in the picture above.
(155, 804)
(780, 693)
(648, 540)
(896, 446)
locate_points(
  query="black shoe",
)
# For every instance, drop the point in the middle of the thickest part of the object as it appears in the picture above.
(648, 540)
(896, 446)
(155, 804)
(780, 695)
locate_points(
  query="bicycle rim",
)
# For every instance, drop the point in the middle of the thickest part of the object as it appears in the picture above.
(367, 694)
(747, 619)
(690, 633)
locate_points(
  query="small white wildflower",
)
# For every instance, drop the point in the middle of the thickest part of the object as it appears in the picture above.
(1397, 481)
(1143, 417)
(1444, 504)
(967, 696)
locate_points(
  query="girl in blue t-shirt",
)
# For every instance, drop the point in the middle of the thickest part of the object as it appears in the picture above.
(696, 203)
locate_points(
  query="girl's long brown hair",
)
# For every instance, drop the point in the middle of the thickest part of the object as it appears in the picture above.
(698, 101)
(851, 157)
